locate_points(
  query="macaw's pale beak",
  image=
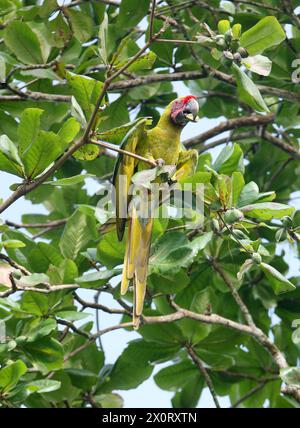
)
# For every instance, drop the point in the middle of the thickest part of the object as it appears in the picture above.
(191, 118)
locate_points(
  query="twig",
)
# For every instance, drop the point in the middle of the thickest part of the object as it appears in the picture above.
(204, 373)
(71, 326)
(94, 337)
(49, 224)
(95, 305)
(14, 264)
(249, 394)
(124, 152)
(234, 293)
(152, 19)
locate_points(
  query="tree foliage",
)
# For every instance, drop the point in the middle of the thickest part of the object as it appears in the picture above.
(222, 309)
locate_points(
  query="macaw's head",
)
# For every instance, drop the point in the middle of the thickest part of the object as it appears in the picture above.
(184, 110)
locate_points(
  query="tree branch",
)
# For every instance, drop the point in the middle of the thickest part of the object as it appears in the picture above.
(249, 394)
(49, 224)
(204, 373)
(95, 305)
(253, 120)
(234, 293)
(124, 152)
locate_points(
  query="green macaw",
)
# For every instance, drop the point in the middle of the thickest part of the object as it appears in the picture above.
(161, 145)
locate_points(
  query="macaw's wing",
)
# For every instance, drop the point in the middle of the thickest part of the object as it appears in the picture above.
(187, 164)
(117, 135)
(124, 170)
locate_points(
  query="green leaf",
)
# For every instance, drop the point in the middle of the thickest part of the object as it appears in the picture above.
(267, 210)
(114, 115)
(223, 26)
(249, 194)
(79, 230)
(11, 374)
(80, 378)
(41, 153)
(176, 376)
(28, 128)
(117, 135)
(42, 386)
(72, 315)
(95, 279)
(246, 266)
(291, 376)
(82, 24)
(12, 243)
(38, 329)
(144, 62)
(110, 252)
(229, 160)
(189, 395)
(6, 7)
(131, 12)
(278, 282)
(173, 251)
(46, 354)
(23, 42)
(34, 279)
(248, 91)
(103, 38)
(86, 91)
(9, 158)
(35, 303)
(134, 365)
(258, 64)
(87, 152)
(296, 333)
(264, 35)
(170, 283)
(68, 132)
(109, 401)
(237, 184)
(69, 181)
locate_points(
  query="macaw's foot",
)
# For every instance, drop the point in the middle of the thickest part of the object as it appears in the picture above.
(160, 162)
(171, 181)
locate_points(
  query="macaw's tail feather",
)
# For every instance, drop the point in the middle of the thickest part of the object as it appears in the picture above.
(136, 262)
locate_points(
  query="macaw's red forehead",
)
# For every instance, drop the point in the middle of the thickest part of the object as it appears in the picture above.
(188, 98)
(180, 103)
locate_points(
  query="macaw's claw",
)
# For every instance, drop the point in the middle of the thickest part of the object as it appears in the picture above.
(171, 181)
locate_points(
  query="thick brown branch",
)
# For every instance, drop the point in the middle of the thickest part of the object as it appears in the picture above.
(253, 120)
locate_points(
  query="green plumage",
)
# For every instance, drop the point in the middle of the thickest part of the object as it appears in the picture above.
(161, 142)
